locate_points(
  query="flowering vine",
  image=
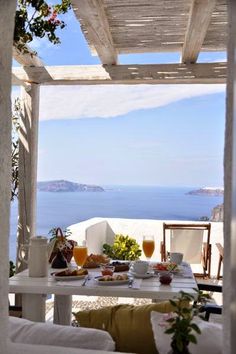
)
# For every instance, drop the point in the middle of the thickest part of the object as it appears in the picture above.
(36, 18)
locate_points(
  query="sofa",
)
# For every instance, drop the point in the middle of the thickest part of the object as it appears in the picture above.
(49, 338)
(142, 334)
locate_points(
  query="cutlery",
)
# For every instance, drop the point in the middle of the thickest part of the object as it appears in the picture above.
(85, 280)
(130, 284)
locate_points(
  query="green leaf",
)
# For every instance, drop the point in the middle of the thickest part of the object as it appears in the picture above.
(170, 320)
(192, 338)
(195, 328)
(169, 330)
(173, 303)
(186, 310)
(123, 248)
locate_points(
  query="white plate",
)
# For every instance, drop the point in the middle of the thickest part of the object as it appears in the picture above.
(114, 282)
(142, 276)
(177, 270)
(68, 277)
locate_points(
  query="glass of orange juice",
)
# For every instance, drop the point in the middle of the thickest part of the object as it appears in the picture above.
(148, 246)
(80, 254)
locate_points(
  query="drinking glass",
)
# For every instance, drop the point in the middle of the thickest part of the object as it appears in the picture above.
(80, 254)
(148, 246)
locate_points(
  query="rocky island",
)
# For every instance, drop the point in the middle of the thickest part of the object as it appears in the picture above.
(217, 213)
(210, 191)
(67, 186)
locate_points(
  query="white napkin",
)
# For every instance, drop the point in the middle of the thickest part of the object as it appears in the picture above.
(185, 271)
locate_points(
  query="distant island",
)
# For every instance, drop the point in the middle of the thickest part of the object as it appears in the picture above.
(209, 191)
(67, 186)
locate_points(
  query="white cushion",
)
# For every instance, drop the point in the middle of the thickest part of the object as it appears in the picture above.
(209, 341)
(19, 348)
(24, 331)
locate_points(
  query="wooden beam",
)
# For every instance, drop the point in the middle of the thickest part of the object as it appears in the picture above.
(94, 23)
(29, 59)
(203, 73)
(229, 271)
(28, 157)
(199, 20)
(8, 8)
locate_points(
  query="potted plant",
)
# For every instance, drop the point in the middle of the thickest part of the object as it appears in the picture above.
(123, 248)
(180, 323)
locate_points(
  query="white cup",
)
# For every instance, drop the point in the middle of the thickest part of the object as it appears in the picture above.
(140, 267)
(176, 257)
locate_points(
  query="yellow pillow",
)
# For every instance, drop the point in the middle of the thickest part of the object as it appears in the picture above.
(129, 325)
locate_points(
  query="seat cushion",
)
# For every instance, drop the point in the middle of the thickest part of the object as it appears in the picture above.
(129, 325)
(209, 341)
(28, 332)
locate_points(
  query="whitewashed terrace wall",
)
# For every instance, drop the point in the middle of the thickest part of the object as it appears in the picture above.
(105, 228)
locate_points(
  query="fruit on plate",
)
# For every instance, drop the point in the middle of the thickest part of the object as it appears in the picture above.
(168, 267)
(120, 266)
(71, 272)
(94, 260)
(114, 277)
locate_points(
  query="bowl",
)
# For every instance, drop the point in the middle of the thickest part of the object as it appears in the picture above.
(165, 278)
(107, 269)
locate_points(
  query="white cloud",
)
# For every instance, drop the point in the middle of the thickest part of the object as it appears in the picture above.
(105, 101)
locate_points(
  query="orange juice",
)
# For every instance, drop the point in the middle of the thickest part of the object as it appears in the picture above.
(80, 254)
(148, 247)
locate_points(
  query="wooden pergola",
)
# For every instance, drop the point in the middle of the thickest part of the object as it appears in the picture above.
(114, 27)
(111, 28)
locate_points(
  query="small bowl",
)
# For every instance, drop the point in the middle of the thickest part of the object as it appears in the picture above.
(107, 269)
(165, 278)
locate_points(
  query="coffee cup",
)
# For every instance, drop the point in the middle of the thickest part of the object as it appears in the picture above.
(176, 257)
(140, 267)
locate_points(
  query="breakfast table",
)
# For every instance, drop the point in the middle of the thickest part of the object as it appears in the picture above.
(35, 290)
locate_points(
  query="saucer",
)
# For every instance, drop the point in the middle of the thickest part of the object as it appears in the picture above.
(141, 276)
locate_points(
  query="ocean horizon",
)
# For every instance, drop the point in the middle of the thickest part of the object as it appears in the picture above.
(63, 209)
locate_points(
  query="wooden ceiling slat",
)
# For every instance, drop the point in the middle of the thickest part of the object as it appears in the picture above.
(161, 23)
(95, 25)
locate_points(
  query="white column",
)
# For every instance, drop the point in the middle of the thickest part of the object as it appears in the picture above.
(62, 309)
(7, 10)
(28, 157)
(34, 307)
(230, 192)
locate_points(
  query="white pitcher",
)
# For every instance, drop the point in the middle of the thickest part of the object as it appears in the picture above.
(37, 256)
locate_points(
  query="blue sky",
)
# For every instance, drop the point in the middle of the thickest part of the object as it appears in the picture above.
(170, 135)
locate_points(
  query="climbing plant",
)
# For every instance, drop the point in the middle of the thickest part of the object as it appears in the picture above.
(38, 19)
(16, 115)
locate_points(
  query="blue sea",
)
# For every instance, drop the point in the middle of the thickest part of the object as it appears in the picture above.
(64, 209)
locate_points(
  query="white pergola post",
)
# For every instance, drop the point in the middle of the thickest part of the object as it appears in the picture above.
(28, 157)
(7, 10)
(229, 290)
